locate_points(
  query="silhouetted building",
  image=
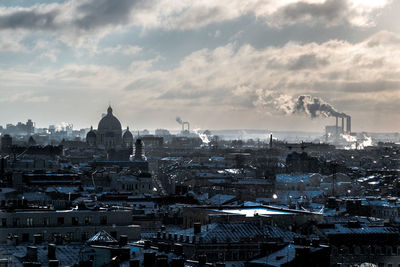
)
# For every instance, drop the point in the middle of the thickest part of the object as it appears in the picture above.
(6, 142)
(127, 139)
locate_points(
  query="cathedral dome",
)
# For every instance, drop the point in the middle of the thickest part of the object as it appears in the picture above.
(127, 138)
(109, 122)
(127, 135)
(91, 134)
(91, 137)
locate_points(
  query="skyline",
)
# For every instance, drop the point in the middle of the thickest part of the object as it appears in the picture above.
(219, 65)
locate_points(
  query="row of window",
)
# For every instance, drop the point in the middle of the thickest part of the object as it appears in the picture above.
(69, 236)
(377, 250)
(45, 221)
(134, 186)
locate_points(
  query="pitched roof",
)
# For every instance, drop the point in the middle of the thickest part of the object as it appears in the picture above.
(101, 237)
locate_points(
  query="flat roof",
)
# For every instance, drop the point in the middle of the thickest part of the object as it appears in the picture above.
(251, 212)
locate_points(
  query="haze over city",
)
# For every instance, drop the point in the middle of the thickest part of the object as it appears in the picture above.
(200, 133)
(218, 64)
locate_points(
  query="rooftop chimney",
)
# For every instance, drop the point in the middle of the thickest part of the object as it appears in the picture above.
(197, 228)
(31, 253)
(51, 251)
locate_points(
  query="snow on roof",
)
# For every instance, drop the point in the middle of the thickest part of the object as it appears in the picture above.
(281, 257)
(288, 178)
(220, 199)
(363, 229)
(235, 232)
(251, 212)
(66, 254)
(102, 237)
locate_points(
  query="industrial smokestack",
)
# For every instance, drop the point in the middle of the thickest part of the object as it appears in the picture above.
(270, 141)
(187, 124)
(348, 127)
(343, 124)
(337, 125)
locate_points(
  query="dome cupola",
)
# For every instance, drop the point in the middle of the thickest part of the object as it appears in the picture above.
(109, 122)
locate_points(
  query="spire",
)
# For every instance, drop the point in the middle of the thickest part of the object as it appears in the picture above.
(109, 110)
(127, 128)
(91, 128)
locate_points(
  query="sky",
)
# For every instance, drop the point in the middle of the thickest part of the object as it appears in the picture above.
(219, 64)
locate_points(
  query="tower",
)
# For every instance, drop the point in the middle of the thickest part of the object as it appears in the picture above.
(139, 150)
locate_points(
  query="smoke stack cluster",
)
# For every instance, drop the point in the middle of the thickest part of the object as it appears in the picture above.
(183, 123)
(346, 130)
(311, 106)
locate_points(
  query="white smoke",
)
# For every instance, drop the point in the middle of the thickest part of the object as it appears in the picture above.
(366, 142)
(304, 104)
(357, 143)
(349, 138)
(64, 126)
(204, 137)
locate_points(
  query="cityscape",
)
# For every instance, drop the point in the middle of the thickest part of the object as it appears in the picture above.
(199, 133)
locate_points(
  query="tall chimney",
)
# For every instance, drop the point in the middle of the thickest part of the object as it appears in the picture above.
(337, 123)
(270, 141)
(348, 124)
(342, 125)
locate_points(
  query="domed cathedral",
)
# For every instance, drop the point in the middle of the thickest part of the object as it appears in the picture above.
(91, 138)
(109, 131)
(109, 134)
(127, 139)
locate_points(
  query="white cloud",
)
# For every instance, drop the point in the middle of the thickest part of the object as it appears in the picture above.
(83, 22)
(351, 76)
(24, 97)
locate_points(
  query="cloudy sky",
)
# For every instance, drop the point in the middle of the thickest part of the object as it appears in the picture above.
(220, 64)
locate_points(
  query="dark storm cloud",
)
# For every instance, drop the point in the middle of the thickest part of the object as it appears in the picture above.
(101, 13)
(329, 12)
(79, 15)
(30, 19)
(87, 15)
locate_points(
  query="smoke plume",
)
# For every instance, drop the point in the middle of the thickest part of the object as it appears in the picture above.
(315, 107)
(310, 106)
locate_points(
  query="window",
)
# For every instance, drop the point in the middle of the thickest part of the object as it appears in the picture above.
(88, 220)
(29, 221)
(85, 236)
(113, 234)
(75, 220)
(4, 222)
(25, 237)
(60, 220)
(69, 236)
(15, 222)
(103, 220)
(46, 221)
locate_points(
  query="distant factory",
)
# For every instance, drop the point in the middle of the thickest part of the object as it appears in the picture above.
(334, 131)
